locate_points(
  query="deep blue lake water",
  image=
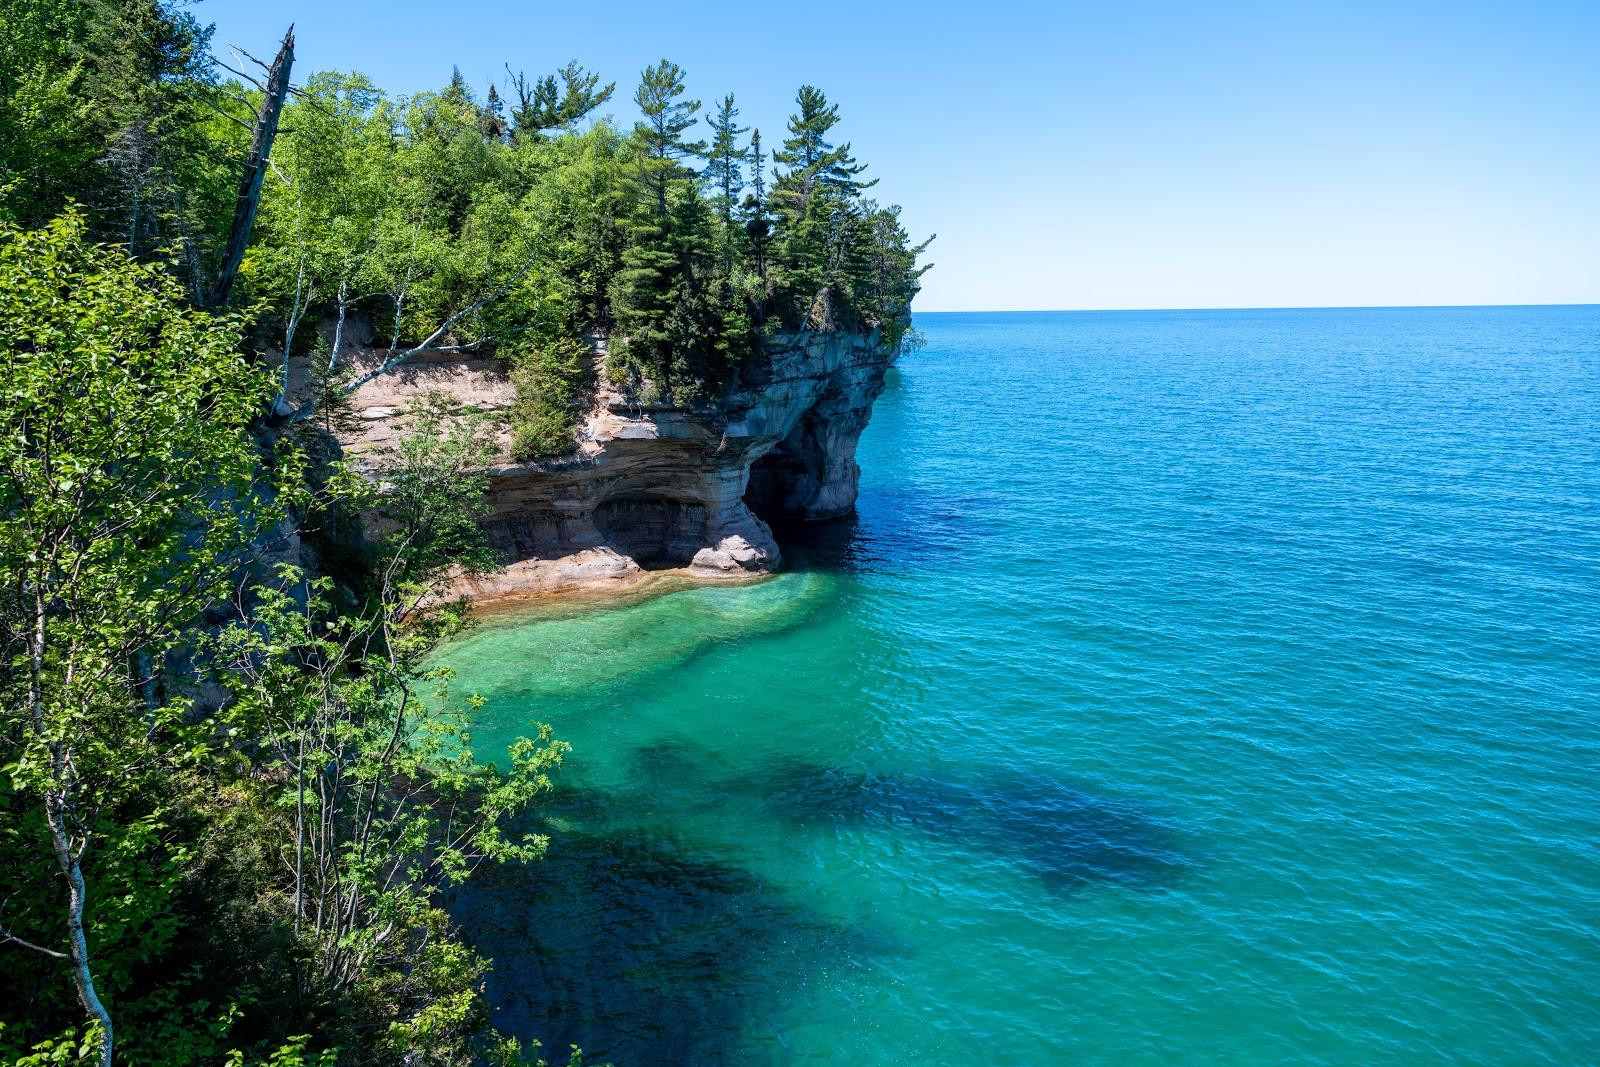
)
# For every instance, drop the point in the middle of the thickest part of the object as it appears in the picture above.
(1203, 687)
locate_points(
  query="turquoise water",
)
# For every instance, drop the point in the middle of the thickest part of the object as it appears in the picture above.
(1203, 687)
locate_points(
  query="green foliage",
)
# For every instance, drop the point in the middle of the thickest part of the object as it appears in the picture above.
(47, 137)
(449, 223)
(655, 287)
(110, 105)
(809, 155)
(132, 489)
(122, 408)
(138, 501)
(547, 381)
(541, 105)
(660, 134)
(448, 231)
(726, 158)
(67, 1047)
(148, 75)
(293, 1053)
(368, 760)
(427, 505)
(824, 242)
(724, 173)
(684, 323)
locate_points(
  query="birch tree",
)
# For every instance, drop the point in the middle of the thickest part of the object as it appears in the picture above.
(131, 491)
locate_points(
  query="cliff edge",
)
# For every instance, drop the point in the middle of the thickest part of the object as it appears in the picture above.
(656, 487)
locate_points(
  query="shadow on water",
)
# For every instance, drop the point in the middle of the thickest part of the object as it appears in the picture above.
(1068, 838)
(641, 950)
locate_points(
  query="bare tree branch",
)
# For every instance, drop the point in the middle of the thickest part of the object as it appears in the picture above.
(9, 938)
(430, 344)
(251, 78)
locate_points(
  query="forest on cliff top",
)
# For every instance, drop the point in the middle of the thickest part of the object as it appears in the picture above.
(235, 787)
(510, 224)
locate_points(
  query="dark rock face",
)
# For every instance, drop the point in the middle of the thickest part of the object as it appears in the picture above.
(653, 530)
(661, 486)
(812, 473)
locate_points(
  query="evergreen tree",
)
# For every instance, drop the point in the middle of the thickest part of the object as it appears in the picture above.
(660, 294)
(816, 201)
(543, 105)
(581, 94)
(660, 135)
(810, 156)
(725, 161)
(458, 91)
(757, 221)
(492, 118)
(146, 73)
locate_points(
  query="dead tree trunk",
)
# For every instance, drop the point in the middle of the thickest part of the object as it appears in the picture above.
(276, 90)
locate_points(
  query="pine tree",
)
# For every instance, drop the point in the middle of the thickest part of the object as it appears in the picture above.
(758, 171)
(659, 294)
(660, 135)
(817, 204)
(492, 116)
(458, 91)
(543, 105)
(810, 156)
(806, 142)
(141, 54)
(725, 161)
(581, 93)
(757, 223)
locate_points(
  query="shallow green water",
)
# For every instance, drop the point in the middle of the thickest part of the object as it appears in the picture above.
(1192, 687)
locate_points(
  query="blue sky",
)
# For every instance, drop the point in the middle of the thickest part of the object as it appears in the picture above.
(1128, 155)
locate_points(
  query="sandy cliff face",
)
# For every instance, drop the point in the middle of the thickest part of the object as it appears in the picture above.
(658, 487)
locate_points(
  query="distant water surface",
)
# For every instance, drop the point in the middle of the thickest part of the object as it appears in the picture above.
(1203, 687)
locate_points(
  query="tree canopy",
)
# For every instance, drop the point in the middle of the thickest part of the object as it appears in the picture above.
(408, 212)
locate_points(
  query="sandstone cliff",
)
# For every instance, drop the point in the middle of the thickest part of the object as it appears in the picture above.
(656, 487)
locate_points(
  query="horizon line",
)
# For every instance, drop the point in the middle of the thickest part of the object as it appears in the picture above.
(1245, 307)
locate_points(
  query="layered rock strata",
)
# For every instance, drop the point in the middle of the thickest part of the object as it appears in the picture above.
(659, 487)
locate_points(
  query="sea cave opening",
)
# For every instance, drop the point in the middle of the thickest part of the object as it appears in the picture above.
(657, 532)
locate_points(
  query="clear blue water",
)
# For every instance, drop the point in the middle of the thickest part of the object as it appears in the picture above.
(1204, 687)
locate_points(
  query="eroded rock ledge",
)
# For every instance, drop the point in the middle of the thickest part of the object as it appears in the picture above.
(658, 487)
